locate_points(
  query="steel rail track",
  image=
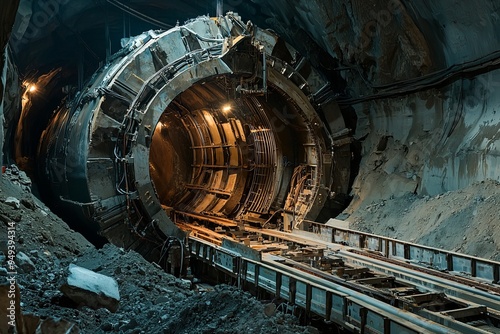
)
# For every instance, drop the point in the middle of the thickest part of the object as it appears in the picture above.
(474, 307)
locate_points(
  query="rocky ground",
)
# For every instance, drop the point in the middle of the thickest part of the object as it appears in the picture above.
(464, 221)
(151, 301)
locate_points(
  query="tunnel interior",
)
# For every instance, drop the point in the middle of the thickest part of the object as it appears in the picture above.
(236, 157)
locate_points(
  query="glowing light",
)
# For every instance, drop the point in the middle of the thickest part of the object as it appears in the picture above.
(226, 108)
(32, 88)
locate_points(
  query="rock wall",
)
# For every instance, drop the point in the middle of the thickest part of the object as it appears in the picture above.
(431, 142)
(374, 41)
(7, 15)
(10, 105)
(440, 139)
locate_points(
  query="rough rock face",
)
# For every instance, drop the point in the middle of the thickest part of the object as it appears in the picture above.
(377, 38)
(431, 142)
(457, 31)
(443, 138)
(7, 15)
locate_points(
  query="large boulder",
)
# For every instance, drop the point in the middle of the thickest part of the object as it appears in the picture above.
(86, 287)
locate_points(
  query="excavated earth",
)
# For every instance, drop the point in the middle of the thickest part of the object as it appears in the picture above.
(465, 220)
(152, 301)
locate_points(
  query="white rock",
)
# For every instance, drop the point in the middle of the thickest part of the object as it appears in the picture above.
(86, 287)
(13, 202)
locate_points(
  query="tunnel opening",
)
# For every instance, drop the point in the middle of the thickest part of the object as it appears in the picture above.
(219, 154)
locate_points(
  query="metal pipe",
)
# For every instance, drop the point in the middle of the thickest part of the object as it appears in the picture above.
(264, 72)
(220, 6)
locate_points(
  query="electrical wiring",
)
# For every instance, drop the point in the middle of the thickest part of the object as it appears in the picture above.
(139, 15)
(165, 250)
(428, 81)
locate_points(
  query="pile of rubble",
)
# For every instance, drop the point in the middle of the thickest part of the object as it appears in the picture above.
(65, 285)
(464, 220)
(17, 177)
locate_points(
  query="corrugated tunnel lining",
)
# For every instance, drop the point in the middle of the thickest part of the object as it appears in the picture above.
(220, 156)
